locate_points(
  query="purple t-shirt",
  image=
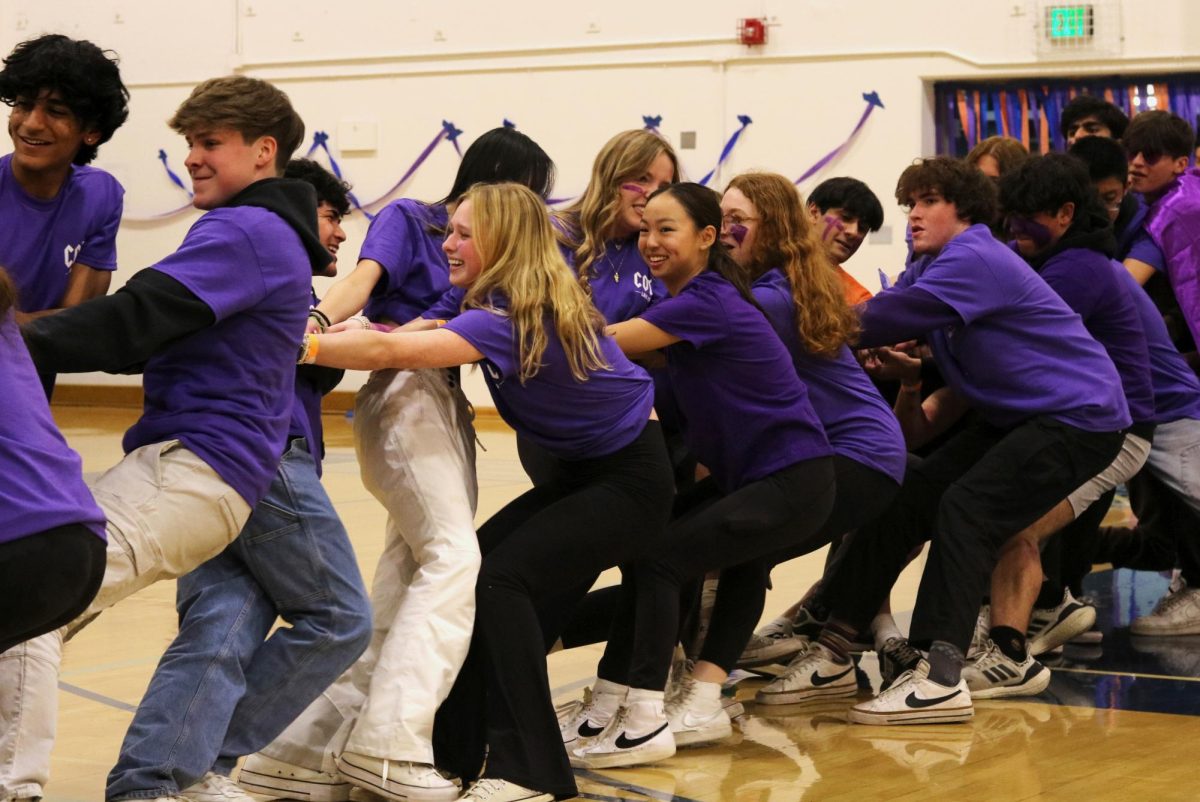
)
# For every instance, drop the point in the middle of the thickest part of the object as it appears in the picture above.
(226, 392)
(1176, 388)
(43, 484)
(746, 414)
(447, 306)
(1000, 359)
(571, 419)
(406, 238)
(1085, 280)
(858, 422)
(40, 240)
(621, 283)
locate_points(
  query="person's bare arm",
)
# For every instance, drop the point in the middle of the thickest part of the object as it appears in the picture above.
(376, 350)
(636, 336)
(83, 284)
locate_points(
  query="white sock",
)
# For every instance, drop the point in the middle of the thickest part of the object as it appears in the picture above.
(884, 628)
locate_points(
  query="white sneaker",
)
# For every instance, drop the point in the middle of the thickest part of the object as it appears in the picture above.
(213, 787)
(775, 642)
(490, 789)
(697, 713)
(814, 674)
(895, 657)
(639, 733)
(275, 779)
(992, 674)
(1177, 613)
(1051, 627)
(581, 722)
(916, 699)
(729, 701)
(400, 780)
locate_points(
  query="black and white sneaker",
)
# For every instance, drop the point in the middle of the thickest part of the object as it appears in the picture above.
(814, 674)
(639, 733)
(1052, 627)
(582, 721)
(896, 657)
(992, 675)
(916, 699)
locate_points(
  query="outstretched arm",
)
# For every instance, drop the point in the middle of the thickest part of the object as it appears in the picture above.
(376, 350)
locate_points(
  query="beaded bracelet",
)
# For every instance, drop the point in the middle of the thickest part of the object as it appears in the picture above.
(362, 320)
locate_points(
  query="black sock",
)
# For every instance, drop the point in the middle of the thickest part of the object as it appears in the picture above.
(945, 663)
(1009, 641)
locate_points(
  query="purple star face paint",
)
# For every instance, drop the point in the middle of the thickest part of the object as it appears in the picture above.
(1026, 228)
(738, 232)
(635, 188)
(832, 224)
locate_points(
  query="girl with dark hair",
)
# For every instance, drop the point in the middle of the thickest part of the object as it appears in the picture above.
(750, 422)
(416, 448)
(51, 530)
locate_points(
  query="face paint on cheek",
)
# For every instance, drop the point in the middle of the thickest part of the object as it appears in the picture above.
(738, 232)
(834, 224)
(634, 188)
(1024, 227)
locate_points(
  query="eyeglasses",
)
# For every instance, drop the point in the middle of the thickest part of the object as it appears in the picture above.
(729, 220)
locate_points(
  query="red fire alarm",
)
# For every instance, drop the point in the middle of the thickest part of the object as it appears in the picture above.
(752, 31)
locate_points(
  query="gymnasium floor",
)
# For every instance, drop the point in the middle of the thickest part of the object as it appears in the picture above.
(1120, 720)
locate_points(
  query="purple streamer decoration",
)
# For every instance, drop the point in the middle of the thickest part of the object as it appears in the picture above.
(171, 174)
(452, 134)
(321, 140)
(884, 281)
(509, 123)
(872, 99)
(651, 123)
(728, 149)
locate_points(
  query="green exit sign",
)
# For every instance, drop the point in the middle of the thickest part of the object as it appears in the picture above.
(1069, 23)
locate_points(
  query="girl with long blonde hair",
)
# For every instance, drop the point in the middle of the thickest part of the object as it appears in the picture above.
(565, 385)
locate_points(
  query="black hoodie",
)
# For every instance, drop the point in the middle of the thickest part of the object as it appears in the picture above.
(118, 333)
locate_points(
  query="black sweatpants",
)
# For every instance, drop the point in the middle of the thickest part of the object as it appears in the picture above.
(863, 494)
(46, 580)
(972, 495)
(597, 513)
(763, 517)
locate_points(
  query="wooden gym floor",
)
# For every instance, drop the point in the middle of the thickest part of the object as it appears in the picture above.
(1121, 720)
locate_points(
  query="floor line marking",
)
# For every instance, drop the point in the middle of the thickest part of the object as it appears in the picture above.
(97, 697)
(1133, 674)
(620, 785)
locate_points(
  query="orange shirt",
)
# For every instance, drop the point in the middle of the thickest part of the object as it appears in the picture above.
(855, 292)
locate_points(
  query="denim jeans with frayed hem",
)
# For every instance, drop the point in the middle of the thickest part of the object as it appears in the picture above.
(224, 689)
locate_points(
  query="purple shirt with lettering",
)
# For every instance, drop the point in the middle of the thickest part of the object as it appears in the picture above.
(43, 484)
(571, 419)
(40, 240)
(226, 392)
(858, 422)
(406, 239)
(745, 412)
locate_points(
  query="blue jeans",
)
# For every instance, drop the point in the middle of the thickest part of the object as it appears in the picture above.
(223, 689)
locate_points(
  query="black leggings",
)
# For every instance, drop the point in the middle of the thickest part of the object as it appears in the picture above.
(46, 580)
(863, 494)
(763, 517)
(971, 495)
(597, 513)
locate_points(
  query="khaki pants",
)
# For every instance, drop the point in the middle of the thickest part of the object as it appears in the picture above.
(168, 512)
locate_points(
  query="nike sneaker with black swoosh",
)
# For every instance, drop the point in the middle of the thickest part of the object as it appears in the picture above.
(992, 674)
(916, 699)
(582, 721)
(639, 733)
(697, 713)
(814, 674)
